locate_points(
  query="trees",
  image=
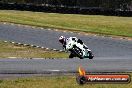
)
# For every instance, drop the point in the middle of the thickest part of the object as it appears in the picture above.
(114, 4)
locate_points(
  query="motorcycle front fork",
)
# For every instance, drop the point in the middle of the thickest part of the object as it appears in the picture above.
(87, 53)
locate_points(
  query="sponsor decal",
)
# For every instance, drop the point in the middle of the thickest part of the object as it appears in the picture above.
(83, 78)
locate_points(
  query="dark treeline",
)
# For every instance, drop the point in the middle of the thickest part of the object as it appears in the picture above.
(114, 4)
(103, 7)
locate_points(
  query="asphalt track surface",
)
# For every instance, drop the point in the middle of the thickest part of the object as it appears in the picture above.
(111, 55)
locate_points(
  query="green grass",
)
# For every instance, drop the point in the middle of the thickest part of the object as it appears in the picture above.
(54, 82)
(12, 50)
(108, 25)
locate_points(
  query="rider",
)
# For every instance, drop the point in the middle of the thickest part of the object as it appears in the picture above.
(64, 41)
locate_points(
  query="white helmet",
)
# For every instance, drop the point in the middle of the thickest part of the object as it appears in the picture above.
(62, 39)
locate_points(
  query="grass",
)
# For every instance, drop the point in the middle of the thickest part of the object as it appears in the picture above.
(12, 50)
(108, 25)
(54, 82)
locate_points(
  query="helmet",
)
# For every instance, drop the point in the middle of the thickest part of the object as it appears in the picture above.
(62, 39)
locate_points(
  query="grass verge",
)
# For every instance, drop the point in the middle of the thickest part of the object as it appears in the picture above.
(12, 50)
(54, 82)
(108, 25)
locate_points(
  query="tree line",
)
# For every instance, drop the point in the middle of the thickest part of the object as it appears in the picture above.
(113, 4)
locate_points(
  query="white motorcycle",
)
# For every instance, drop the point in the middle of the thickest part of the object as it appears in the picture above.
(79, 50)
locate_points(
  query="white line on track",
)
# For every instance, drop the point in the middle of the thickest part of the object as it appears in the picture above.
(54, 70)
(49, 29)
(12, 57)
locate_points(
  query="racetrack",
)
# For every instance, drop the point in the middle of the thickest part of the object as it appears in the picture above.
(110, 54)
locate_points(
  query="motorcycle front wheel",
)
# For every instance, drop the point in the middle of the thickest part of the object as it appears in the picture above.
(90, 55)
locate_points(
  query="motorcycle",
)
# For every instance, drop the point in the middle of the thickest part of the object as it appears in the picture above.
(79, 50)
